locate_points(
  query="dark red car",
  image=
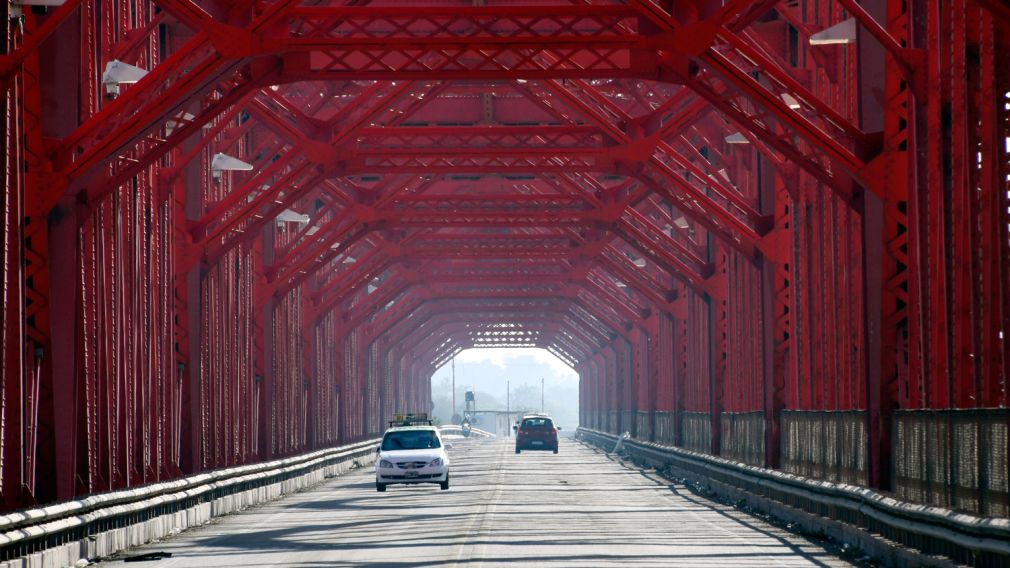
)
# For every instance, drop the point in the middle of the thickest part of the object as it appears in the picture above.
(536, 433)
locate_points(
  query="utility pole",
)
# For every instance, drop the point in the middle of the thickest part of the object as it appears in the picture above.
(508, 411)
(541, 395)
(452, 415)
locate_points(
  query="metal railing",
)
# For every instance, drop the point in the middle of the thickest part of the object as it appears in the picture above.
(455, 429)
(965, 539)
(35, 530)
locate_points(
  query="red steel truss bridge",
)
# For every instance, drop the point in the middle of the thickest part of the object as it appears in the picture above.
(775, 232)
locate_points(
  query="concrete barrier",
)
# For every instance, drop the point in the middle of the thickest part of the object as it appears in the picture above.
(97, 526)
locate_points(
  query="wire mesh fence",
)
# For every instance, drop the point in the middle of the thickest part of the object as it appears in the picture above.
(743, 437)
(953, 458)
(643, 426)
(664, 427)
(697, 431)
(827, 445)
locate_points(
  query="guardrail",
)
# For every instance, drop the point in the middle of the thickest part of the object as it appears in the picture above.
(99, 525)
(934, 531)
(454, 428)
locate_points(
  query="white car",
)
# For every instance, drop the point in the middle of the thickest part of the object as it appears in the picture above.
(411, 454)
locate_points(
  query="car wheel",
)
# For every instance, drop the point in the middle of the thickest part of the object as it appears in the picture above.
(445, 484)
(380, 487)
(518, 451)
(555, 450)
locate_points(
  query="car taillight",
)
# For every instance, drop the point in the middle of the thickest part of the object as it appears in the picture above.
(554, 432)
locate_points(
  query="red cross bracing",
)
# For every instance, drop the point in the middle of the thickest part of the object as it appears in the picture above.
(772, 231)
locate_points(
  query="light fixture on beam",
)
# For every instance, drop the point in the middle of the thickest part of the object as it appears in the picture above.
(16, 11)
(289, 216)
(737, 138)
(224, 163)
(680, 222)
(791, 101)
(838, 34)
(639, 262)
(118, 73)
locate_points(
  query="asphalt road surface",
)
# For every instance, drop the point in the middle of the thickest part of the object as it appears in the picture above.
(577, 508)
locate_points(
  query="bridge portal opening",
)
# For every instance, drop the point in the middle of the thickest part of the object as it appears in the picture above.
(505, 382)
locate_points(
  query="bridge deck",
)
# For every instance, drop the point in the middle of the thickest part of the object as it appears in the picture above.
(577, 508)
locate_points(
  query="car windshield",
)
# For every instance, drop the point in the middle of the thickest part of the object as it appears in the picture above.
(410, 440)
(537, 423)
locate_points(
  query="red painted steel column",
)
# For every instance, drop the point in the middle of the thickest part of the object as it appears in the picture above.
(65, 299)
(640, 400)
(886, 223)
(717, 349)
(611, 392)
(13, 341)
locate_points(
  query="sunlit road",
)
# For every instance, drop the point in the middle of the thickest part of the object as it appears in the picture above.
(577, 508)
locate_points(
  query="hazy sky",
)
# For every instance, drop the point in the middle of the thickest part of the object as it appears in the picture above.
(520, 363)
(487, 370)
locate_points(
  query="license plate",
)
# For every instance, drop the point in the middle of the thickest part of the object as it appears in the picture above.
(537, 443)
(411, 474)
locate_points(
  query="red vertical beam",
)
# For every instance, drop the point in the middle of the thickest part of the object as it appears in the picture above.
(679, 374)
(11, 265)
(599, 395)
(611, 392)
(639, 387)
(993, 282)
(657, 372)
(65, 300)
(775, 285)
(265, 381)
(717, 345)
(886, 271)
(938, 387)
(880, 365)
(27, 378)
(310, 375)
(626, 389)
(954, 75)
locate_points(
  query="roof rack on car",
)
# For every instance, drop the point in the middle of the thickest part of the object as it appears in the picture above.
(419, 419)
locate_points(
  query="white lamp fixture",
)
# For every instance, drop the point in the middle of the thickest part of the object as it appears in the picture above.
(38, 2)
(224, 163)
(289, 216)
(639, 262)
(118, 73)
(680, 222)
(791, 101)
(737, 138)
(838, 34)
